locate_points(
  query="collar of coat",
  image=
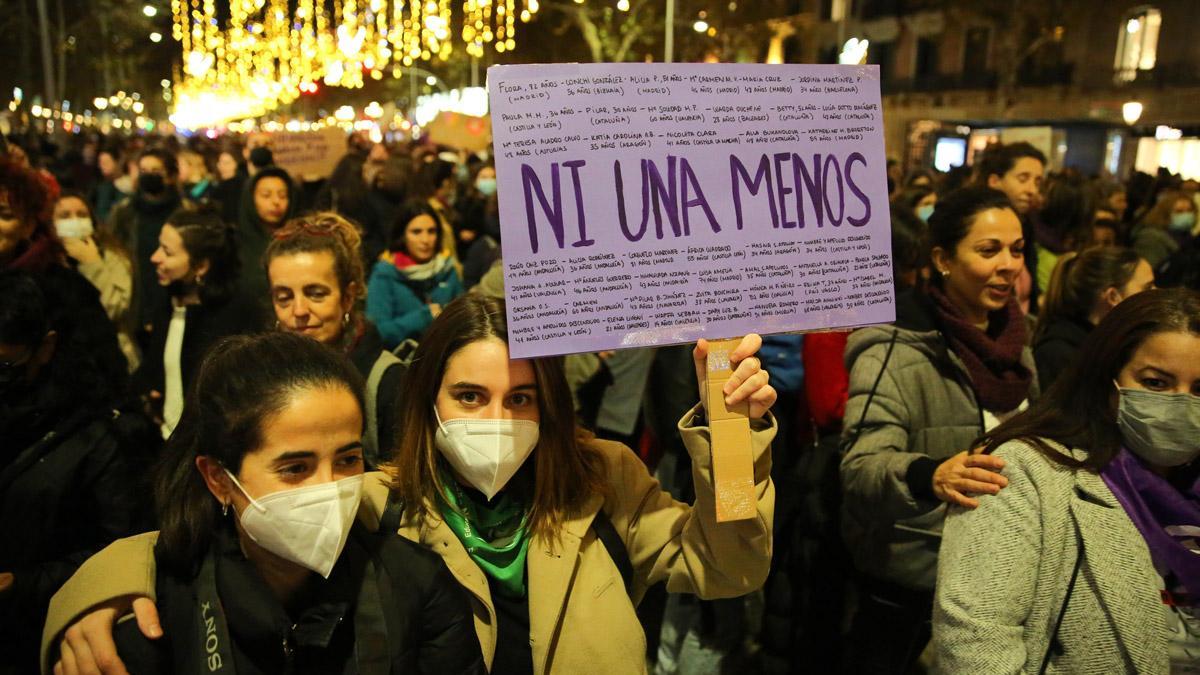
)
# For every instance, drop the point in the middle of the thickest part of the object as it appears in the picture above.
(551, 568)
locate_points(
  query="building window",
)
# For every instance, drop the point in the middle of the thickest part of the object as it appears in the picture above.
(927, 58)
(1137, 43)
(975, 51)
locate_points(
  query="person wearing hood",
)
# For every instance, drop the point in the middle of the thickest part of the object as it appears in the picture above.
(137, 220)
(267, 202)
(954, 365)
(414, 280)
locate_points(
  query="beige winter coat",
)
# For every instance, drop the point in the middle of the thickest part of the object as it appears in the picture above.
(582, 619)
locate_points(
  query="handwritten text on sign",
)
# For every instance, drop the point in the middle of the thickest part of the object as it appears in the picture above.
(646, 204)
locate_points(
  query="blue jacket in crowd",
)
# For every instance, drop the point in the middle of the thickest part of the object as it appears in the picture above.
(399, 306)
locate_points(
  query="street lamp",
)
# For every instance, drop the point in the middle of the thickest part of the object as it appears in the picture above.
(1131, 111)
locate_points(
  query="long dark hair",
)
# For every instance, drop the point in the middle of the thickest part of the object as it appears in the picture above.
(568, 470)
(1077, 411)
(409, 211)
(206, 237)
(242, 382)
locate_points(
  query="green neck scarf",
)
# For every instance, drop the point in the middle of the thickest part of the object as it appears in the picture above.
(495, 535)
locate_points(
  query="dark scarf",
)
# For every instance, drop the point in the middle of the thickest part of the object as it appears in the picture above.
(37, 255)
(1154, 505)
(992, 358)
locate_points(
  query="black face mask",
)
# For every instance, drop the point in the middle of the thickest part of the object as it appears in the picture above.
(151, 183)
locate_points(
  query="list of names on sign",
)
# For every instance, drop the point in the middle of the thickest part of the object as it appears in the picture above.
(649, 204)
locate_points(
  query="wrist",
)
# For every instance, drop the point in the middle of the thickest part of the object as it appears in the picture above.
(919, 477)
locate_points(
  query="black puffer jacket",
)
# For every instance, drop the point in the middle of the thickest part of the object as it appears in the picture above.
(425, 613)
(64, 496)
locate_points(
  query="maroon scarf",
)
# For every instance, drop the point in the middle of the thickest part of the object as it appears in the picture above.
(992, 358)
(39, 254)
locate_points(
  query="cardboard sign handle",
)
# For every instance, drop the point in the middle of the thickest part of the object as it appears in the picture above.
(729, 431)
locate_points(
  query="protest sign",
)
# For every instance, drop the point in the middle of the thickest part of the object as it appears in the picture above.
(459, 131)
(308, 153)
(650, 204)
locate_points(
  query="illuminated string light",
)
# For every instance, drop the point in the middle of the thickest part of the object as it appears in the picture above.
(260, 54)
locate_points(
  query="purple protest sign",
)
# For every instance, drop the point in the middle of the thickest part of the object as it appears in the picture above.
(652, 204)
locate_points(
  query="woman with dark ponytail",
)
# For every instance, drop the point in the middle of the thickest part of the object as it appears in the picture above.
(197, 262)
(1083, 289)
(260, 563)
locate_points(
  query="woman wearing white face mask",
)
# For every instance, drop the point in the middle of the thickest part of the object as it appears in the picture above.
(261, 567)
(555, 535)
(1087, 562)
(101, 261)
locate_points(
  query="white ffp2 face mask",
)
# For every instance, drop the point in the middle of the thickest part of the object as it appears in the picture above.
(73, 228)
(486, 453)
(306, 525)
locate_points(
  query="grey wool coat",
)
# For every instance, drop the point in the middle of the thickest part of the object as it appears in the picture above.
(1005, 569)
(923, 410)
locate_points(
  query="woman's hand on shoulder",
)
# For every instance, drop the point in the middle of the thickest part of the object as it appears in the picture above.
(87, 646)
(749, 381)
(966, 474)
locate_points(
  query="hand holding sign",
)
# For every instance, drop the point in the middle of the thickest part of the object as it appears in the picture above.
(749, 381)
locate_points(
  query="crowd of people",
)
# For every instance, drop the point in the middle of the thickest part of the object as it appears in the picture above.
(225, 388)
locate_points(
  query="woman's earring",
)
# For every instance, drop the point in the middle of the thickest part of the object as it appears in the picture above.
(199, 279)
(225, 509)
(945, 273)
(346, 319)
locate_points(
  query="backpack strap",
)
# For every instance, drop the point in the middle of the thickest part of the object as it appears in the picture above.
(371, 434)
(847, 447)
(607, 534)
(393, 511)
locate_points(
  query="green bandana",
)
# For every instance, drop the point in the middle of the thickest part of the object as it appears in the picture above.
(495, 535)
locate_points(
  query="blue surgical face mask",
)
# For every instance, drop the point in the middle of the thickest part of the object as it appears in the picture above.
(924, 211)
(1182, 221)
(486, 186)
